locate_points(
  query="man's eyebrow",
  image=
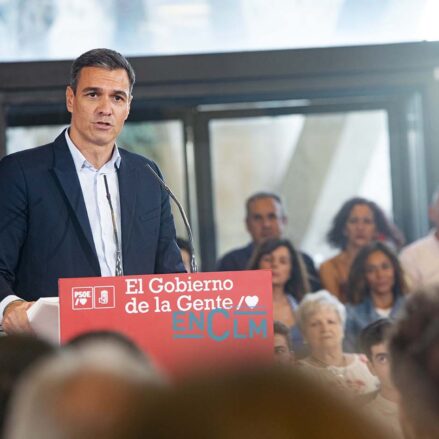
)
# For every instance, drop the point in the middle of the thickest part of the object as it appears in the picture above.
(99, 89)
(87, 89)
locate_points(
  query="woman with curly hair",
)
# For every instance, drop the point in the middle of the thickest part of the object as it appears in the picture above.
(357, 223)
(376, 289)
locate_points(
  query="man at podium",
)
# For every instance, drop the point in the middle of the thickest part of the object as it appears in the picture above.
(81, 206)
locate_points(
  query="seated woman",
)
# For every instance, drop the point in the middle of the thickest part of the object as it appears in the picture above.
(375, 290)
(289, 280)
(321, 319)
(357, 223)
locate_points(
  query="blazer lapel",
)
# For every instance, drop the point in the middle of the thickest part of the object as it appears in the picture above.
(65, 171)
(128, 184)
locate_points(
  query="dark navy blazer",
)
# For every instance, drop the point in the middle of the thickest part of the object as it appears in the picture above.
(45, 233)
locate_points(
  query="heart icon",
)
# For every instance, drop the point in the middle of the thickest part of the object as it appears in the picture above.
(251, 301)
(82, 300)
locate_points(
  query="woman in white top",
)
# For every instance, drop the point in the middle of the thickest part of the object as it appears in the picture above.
(321, 318)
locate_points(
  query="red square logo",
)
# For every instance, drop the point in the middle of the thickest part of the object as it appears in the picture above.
(104, 297)
(82, 298)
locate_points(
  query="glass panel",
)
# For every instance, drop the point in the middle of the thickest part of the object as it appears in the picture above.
(162, 142)
(314, 162)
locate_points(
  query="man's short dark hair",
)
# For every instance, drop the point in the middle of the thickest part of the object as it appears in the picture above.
(260, 195)
(373, 334)
(102, 58)
(281, 329)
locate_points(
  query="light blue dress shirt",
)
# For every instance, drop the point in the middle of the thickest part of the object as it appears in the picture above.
(98, 208)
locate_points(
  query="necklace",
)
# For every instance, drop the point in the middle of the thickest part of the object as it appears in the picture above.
(338, 371)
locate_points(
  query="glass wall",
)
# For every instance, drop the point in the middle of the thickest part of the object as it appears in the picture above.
(315, 162)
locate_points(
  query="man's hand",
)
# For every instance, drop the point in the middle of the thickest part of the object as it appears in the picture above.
(15, 317)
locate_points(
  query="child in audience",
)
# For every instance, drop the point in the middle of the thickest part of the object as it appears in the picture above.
(283, 345)
(373, 341)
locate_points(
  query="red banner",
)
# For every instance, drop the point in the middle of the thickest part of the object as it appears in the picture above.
(184, 322)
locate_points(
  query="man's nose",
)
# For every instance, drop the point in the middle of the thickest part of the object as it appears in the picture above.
(380, 273)
(324, 326)
(266, 222)
(105, 105)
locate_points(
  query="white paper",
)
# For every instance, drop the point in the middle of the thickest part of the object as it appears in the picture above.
(43, 317)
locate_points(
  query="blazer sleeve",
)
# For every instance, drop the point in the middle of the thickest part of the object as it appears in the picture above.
(13, 220)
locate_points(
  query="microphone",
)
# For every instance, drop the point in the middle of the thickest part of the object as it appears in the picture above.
(193, 262)
(119, 268)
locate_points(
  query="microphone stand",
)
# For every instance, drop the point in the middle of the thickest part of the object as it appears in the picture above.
(193, 262)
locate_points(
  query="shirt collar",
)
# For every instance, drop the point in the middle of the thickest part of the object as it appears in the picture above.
(81, 162)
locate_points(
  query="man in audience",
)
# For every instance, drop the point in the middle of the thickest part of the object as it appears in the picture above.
(283, 344)
(420, 259)
(373, 342)
(265, 219)
(414, 354)
(96, 390)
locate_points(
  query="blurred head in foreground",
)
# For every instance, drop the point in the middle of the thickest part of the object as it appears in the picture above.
(97, 390)
(255, 404)
(414, 350)
(109, 337)
(18, 352)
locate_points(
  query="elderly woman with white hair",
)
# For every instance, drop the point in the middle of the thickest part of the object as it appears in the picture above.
(321, 318)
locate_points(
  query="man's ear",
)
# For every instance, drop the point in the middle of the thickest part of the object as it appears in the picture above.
(129, 106)
(247, 224)
(70, 97)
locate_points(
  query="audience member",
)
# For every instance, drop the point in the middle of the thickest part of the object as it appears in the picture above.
(376, 289)
(258, 404)
(357, 223)
(283, 344)
(289, 280)
(414, 353)
(265, 219)
(420, 259)
(18, 353)
(97, 390)
(186, 253)
(321, 318)
(384, 407)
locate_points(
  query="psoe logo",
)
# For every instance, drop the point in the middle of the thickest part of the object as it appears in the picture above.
(104, 297)
(82, 298)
